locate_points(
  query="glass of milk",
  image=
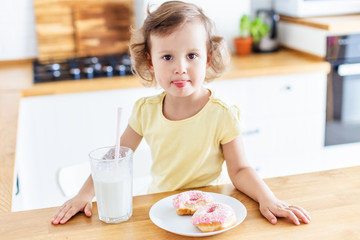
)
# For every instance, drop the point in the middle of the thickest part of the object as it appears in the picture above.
(113, 179)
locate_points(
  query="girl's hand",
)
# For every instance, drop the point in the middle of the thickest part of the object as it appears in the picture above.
(271, 209)
(70, 208)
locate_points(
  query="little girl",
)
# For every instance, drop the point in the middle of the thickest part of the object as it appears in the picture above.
(189, 130)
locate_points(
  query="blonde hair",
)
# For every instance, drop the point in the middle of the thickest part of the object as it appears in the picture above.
(163, 21)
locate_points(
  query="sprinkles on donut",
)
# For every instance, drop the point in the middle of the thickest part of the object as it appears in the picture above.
(214, 217)
(187, 203)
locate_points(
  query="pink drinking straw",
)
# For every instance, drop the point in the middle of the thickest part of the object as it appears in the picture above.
(117, 145)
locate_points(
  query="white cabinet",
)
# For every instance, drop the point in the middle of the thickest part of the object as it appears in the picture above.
(282, 116)
(57, 132)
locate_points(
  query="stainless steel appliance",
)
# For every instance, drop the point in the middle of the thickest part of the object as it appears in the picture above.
(269, 43)
(82, 68)
(343, 125)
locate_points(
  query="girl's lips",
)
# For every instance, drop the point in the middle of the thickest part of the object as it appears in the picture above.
(180, 83)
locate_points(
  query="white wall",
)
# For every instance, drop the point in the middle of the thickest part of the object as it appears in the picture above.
(17, 30)
(260, 4)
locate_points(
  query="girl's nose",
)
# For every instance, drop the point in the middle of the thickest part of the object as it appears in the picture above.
(180, 67)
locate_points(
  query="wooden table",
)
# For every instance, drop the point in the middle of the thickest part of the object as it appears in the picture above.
(332, 198)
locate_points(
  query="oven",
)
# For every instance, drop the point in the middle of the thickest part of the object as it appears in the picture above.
(343, 111)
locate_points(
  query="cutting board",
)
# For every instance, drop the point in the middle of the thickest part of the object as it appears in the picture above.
(55, 31)
(67, 29)
(102, 28)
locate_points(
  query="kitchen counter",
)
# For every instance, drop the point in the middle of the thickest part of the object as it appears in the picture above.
(282, 62)
(254, 65)
(332, 198)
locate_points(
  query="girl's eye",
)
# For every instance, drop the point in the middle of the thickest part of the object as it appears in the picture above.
(167, 57)
(192, 56)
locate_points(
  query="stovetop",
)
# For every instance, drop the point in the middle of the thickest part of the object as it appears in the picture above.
(82, 68)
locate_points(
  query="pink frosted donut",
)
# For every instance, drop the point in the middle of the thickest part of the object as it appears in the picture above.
(213, 217)
(186, 203)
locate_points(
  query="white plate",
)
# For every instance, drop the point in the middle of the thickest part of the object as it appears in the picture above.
(164, 216)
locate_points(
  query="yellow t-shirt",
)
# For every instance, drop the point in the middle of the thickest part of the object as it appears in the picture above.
(185, 153)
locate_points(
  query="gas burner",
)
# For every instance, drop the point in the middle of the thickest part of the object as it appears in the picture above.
(108, 70)
(88, 72)
(120, 69)
(91, 60)
(82, 68)
(75, 72)
(53, 67)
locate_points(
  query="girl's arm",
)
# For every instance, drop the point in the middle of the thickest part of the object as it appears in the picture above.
(82, 200)
(130, 138)
(245, 179)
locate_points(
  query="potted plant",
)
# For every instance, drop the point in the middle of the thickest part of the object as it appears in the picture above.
(250, 32)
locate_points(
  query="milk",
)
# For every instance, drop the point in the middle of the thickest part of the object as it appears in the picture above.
(114, 198)
(113, 183)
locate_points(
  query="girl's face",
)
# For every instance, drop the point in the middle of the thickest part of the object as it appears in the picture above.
(179, 61)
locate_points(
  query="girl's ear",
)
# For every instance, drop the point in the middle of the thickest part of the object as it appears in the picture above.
(208, 60)
(149, 62)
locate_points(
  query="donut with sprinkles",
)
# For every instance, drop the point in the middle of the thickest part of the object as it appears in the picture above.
(186, 203)
(214, 217)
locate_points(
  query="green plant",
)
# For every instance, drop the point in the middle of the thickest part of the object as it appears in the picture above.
(257, 28)
(245, 25)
